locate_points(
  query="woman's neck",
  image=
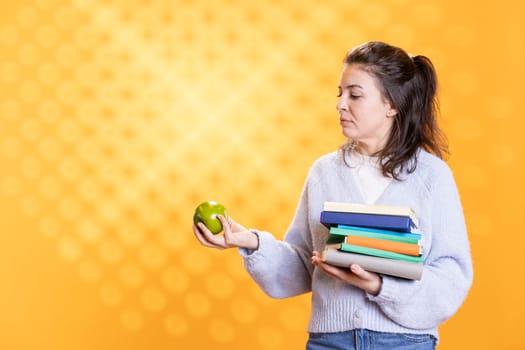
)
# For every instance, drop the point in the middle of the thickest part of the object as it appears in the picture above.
(366, 149)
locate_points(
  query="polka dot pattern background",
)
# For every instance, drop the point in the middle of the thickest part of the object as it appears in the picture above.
(119, 117)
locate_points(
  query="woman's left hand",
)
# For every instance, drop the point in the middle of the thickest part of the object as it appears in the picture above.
(355, 275)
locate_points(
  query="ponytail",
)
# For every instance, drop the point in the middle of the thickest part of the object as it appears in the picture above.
(426, 105)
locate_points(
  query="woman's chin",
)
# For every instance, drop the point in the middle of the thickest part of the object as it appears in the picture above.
(350, 134)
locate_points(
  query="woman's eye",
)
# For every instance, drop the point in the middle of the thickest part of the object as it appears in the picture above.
(354, 97)
(339, 93)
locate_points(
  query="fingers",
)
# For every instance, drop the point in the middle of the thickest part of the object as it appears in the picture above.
(326, 268)
(205, 237)
(360, 272)
(316, 258)
(354, 274)
(234, 235)
(208, 239)
(235, 226)
(201, 236)
(339, 273)
(226, 228)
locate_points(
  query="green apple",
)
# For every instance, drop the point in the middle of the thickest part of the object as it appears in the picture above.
(207, 213)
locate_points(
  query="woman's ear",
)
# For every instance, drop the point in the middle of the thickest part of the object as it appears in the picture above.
(390, 112)
(390, 108)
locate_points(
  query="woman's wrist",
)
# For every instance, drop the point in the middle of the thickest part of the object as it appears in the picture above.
(248, 239)
(253, 240)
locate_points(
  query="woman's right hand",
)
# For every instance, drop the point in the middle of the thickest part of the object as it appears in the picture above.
(235, 236)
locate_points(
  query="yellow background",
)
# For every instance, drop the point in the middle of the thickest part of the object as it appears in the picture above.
(118, 117)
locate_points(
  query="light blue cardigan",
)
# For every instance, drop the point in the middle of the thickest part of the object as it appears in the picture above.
(284, 269)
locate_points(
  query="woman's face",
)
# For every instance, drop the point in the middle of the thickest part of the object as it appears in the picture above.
(364, 114)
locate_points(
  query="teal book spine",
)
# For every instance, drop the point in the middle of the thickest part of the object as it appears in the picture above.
(379, 253)
(366, 233)
(376, 230)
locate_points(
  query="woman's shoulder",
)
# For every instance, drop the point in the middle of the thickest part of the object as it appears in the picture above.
(326, 165)
(428, 162)
(432, 169)
(328, 161)
(328, 157)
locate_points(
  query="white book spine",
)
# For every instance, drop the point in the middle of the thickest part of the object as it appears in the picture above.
(398, 268)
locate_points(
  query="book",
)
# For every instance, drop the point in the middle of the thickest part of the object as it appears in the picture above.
(348, 207)
(388, 233)
(388, 222)
(383, 244)
(378, 252)
(397, 268)
(411, 238)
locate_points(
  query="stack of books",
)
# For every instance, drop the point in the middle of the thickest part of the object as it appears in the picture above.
(378, 238)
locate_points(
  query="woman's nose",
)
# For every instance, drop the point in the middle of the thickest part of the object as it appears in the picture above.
(341, 105)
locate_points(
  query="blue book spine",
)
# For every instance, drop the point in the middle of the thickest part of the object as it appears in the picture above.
(387, 222)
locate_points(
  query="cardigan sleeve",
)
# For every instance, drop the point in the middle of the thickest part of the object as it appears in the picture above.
(283, 268)
(448, 273)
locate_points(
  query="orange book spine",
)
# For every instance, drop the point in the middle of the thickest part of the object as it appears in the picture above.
(391, 246)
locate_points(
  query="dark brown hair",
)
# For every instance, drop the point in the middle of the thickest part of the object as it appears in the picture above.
(410, 85)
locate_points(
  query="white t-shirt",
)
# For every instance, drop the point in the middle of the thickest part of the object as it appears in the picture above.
(367, 171)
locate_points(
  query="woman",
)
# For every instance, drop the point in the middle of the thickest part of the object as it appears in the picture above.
(387, 110)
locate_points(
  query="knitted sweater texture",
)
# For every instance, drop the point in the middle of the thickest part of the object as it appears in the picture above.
(284, 269)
